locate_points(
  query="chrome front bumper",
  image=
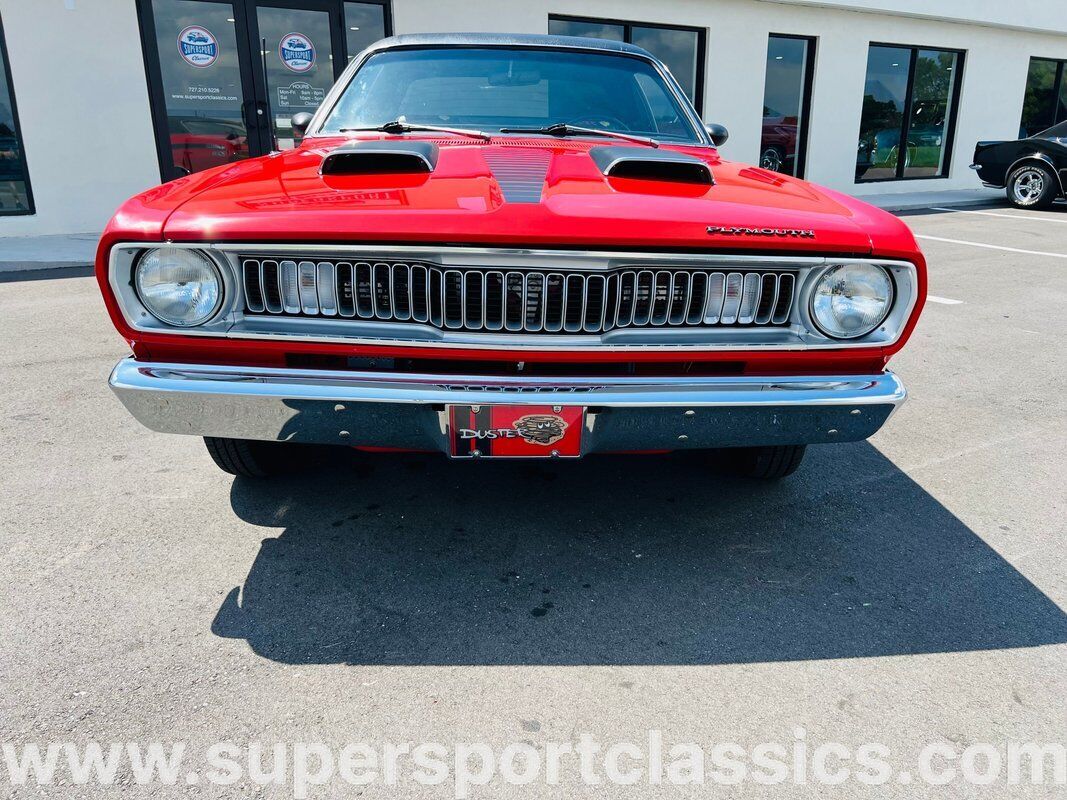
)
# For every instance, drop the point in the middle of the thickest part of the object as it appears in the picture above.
(408, 411)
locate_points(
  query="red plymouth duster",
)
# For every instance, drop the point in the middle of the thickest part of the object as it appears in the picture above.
(508, 246)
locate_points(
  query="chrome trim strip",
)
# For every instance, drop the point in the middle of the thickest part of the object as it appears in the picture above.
(131, 376)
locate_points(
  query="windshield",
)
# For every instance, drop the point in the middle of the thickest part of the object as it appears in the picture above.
(1055, 132)
(493, 88)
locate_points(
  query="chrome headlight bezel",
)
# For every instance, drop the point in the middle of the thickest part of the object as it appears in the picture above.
(822, 327)
(162, 316)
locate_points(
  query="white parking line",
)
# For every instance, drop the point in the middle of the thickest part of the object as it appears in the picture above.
(992, 246)
(1003, 216)
(943, 300)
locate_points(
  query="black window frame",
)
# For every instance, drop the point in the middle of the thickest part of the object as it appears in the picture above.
(808, 88)
(31, 209)
(627, 36)
(1057, 87)
(905, 124)
(244, 24)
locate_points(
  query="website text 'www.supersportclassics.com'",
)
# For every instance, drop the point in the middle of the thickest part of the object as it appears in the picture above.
(465, 768)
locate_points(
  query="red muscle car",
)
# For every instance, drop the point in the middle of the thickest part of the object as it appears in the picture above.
(508, 247)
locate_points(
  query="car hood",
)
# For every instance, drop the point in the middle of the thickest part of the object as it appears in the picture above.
(511, 191)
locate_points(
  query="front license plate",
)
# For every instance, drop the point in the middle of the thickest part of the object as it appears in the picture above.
(515, 431)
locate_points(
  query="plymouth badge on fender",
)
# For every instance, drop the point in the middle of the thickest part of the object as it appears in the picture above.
(718, 230)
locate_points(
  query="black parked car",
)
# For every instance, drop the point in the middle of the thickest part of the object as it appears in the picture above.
(1033, 170)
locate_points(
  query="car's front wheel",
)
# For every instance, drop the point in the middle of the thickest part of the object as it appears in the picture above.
(1031, 186)
(766, 463)
(248, 458)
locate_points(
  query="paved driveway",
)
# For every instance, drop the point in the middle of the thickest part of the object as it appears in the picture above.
(905, 591)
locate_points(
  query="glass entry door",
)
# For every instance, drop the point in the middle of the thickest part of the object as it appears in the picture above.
(227, 76)
(301, 57)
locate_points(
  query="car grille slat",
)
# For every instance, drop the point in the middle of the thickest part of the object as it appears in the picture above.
(478, 299)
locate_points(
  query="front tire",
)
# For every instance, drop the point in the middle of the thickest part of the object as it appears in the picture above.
(766, 463)
(245, 457)
(1031, 186)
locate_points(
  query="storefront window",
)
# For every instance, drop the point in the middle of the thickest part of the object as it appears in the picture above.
(786, 102)
(909, 108)
(14, 179)
(681, 49)
(202, 84)
(1045, 102)
(365, 24)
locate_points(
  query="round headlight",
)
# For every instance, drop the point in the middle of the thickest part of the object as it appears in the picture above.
(851, 300)
(180, 287)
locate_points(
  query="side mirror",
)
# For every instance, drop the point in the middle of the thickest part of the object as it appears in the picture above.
(300, 122)
(717, 132)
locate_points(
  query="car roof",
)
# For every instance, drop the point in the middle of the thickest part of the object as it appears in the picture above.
(506, 40)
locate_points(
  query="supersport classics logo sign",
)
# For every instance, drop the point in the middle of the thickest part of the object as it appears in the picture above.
(198, 46)
(297, 52)
(542, 429)
(798, 233)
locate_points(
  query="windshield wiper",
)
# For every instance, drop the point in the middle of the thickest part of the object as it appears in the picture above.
(403, 126)
(563, 129)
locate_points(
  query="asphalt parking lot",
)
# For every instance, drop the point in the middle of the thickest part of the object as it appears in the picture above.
(907, 590)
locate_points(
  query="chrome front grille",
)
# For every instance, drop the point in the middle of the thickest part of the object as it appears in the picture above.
(479, 299)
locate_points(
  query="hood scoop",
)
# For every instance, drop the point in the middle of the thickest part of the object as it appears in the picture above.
(646, 164)
(381, 158)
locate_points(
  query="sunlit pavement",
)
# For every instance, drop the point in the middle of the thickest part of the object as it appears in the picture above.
(903, 591)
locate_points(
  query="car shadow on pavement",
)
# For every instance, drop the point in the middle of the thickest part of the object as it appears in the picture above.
(408, 559)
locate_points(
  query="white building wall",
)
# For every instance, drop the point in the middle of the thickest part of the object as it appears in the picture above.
(83, 102)
(82, 97)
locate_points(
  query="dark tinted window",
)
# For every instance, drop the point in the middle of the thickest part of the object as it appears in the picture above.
(786, 95)
(1055, 132)
(587, 27)
(14, 180)
(1045, 101)
(678, 49)
(909, 101)
(933, 85)
(493, 88)
(681, 49)
(364, 25)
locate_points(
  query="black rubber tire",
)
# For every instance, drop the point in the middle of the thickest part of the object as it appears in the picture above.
(244, 457)
(766, 463)
(1049, 193)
